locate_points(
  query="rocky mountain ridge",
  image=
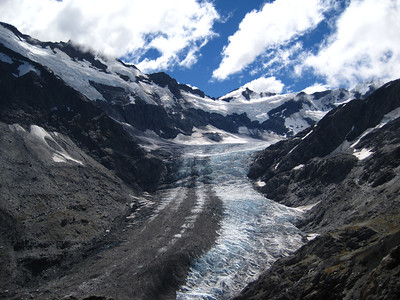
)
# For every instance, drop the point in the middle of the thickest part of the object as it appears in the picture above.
(158, 103)
(345, 170)
(40, 98)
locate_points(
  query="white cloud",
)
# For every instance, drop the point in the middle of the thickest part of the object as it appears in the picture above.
(276, 24)
(317, 87)
(365, 45)
(265, 84)
(176, 29)
(279, 59)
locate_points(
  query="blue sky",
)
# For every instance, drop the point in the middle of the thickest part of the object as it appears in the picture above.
(232, 13)
(219, 45)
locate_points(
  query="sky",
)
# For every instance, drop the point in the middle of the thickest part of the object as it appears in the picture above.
(217, 46)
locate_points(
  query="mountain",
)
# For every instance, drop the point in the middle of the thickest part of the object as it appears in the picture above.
(69, 176)
(89, 147)
(158, 103)
(345, 171)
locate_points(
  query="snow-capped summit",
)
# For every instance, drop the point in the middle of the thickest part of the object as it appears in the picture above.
(158, 103)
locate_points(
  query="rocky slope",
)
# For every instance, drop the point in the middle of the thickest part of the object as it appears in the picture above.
(346, 169)
(69, 176)
(58, 204)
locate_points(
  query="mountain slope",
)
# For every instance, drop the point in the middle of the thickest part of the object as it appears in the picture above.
(158, 103)
(58, 204)
(69, 174)
(36, 97)
(346, 169)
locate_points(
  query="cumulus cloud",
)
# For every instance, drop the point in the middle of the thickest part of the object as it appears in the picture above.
(265, 84)
(317, 87)
(175, 30)
(364, 46)
(276, 24)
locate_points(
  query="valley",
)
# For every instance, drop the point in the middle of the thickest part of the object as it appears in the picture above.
(207, 233)
(117, 184)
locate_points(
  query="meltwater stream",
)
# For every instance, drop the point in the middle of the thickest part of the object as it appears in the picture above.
(254, 232)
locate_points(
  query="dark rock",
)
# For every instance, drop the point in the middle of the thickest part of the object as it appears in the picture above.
(319, 95)
(356, 205)
(324, 269)
(247, 93)
(51, 224)
(115, 95)
(310, 147)
(214, 136)
(165, 80)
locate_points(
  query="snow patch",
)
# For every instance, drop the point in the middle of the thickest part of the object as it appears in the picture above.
(312, 236)
(316, 115)
(306, 208)
(363, 153)
(199, 137)
(39, 132)
(344, 146)
(394, 114)
(16, 128)
(26, 68)
(255, 109)
(296, 123)
(243, 130)
(60, 155)
(260, 183)
(5, 58)
(298, 167)
(294, 148)
(304, 137)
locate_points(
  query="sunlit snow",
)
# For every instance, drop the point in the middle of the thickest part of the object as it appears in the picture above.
(363, 153)
(199, 137)
(57, 152)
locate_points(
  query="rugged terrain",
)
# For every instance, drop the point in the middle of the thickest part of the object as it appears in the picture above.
(347, 168)
(157, 102)
(100, 198)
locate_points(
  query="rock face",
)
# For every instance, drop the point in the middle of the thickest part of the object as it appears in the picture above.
(347, 166)
(40, 98)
